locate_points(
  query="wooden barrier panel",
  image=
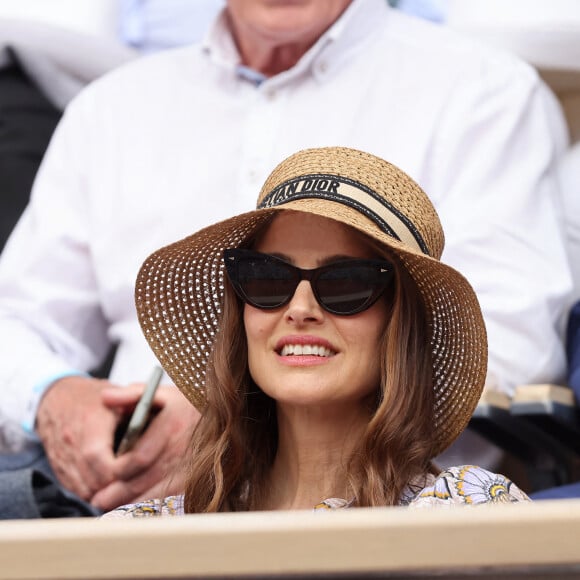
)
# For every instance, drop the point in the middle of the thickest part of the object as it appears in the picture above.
(379, 542)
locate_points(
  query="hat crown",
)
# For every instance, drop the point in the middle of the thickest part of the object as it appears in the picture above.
(380, 191)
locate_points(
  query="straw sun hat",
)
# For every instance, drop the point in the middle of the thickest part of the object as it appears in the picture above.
(180, 286)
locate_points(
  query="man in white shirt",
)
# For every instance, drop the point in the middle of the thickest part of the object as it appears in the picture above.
(151, 25)
(168, 144)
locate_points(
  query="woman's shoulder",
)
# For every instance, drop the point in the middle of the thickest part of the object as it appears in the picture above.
(464, 484)
(169, 506)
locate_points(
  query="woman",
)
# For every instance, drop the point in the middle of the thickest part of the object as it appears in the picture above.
(330, 351)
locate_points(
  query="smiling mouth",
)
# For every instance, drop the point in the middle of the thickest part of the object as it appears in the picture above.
(306, 350)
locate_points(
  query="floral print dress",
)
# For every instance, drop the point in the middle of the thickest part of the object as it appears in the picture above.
(462, 485)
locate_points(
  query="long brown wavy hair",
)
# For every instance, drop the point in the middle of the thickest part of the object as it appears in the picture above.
(234, 444)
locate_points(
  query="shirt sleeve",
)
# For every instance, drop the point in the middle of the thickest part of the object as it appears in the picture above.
(51, 321)
(493, 172)
(468, 485)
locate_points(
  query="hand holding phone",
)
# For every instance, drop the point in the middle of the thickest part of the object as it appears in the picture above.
(141, 414)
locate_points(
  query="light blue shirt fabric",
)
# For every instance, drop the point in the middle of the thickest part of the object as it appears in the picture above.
(151, 25)
(434, 10)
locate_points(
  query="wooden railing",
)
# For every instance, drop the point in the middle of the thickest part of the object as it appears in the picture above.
(537, 539)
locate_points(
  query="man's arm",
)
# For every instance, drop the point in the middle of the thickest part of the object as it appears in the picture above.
(54, 329)
(52, 323)
(500, 139)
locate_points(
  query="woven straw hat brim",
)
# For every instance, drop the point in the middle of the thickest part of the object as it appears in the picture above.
(179, 290)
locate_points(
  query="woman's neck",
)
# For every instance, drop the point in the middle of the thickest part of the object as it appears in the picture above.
(312, 457)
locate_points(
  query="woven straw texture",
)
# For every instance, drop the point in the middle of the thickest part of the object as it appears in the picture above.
(179, 287)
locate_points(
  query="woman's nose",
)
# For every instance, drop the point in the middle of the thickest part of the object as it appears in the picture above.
(303, 306)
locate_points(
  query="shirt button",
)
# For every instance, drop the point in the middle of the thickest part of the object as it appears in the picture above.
(271, 95)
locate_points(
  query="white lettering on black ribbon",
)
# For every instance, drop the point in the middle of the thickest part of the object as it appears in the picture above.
(356, 195)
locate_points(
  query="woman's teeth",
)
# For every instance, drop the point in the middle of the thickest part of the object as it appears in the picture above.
(306, 349)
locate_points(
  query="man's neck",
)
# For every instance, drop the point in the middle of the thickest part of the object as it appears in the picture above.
(272, 60)
(270, 52)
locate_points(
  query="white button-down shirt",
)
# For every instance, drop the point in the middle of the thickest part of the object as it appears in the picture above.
(170, 143)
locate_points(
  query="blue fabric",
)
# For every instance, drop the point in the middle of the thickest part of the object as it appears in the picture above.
(151, 25)
(434, 10)
(30, 490)
(573, 350)
(569, 491)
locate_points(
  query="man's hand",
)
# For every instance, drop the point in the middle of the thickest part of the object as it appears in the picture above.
(77, 430)
(151, 468)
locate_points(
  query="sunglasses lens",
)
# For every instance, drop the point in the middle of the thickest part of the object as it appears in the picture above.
(342, 288)
(266, 283)
(350, 289)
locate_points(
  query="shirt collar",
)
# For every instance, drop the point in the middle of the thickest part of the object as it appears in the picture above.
(357, 23)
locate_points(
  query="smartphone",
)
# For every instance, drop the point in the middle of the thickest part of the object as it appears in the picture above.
(127, 437)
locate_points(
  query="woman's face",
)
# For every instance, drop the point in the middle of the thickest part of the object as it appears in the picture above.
(347, 368)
